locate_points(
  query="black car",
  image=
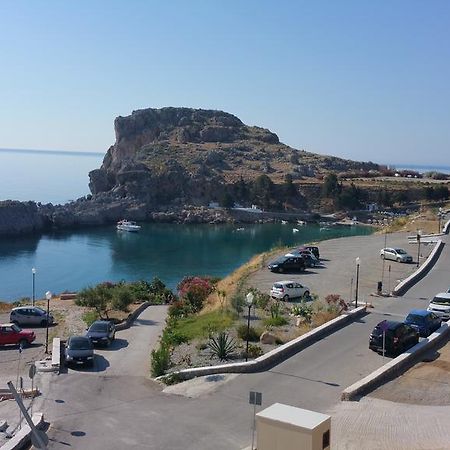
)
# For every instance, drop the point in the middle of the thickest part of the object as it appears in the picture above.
(79, 351)
(398, 337)
(101, 332)
(287, 264)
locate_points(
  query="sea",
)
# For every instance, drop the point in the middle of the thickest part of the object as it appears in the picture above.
(73, 259)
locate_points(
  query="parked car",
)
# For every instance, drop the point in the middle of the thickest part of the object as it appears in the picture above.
(309, 259)
(314, 250)
(440, 305)
(288, 289)
(396, 254)
(101, 332)
(30, 315)
(425, 322)
(398, 337)
(79, 350)
(287, 263)
(10, 333)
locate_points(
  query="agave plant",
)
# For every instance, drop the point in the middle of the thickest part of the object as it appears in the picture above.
(222, 346)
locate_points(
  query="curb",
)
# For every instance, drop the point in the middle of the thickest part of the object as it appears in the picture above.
(395, 367)
(23, 436)
(407, 283)
(445, 230)
(275, 356)
(132, 317)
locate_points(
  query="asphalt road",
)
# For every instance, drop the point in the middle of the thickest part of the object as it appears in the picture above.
(116, 407)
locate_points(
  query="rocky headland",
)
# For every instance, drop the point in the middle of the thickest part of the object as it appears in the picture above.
(171, 164)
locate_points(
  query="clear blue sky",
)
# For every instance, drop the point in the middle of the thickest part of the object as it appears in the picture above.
(363, 79)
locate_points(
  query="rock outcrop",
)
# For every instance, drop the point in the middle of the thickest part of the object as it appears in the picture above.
(168, 164)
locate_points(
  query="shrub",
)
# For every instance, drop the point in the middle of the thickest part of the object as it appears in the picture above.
(98, 298)
(160, 360)
(172, 337)
(262, 300)
(252, 336)
(303, 310)
(275, 321)
(275, 310)
(178, 309)
(194, 291)
(237, 303)
(122, 298)
(89, 317)
(336, 303)
(222, 346)
(254, 351)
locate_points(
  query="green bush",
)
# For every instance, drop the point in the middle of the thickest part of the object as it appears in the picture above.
(172, 337)
(277, 321)
(262, 300)
(253, 335)
(160, 360)
(122, 298)
(303, 310)
(254, 351)
(237, 303)
(89, 317)
(222, 346)
(275, 309)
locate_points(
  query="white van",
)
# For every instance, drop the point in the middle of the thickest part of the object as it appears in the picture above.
(440, 305)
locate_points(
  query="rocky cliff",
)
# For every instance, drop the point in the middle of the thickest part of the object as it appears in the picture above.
(168, 164)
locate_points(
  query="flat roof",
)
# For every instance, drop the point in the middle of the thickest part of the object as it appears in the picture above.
(292, 415)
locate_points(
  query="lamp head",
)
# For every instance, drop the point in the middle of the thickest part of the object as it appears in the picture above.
(358, 261)
(48, 295)
(33, 270)
(249, 299)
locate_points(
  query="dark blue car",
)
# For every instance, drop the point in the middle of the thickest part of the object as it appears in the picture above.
(425, 322)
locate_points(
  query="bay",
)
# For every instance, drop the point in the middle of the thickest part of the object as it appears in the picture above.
(71, 260)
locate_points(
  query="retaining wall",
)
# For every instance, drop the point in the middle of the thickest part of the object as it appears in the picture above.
(277, 355)
(396, 366)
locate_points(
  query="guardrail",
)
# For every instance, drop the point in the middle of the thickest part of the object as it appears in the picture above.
(396, 366)
(404, 285)
(132, 317)
(275, 356)
(446, 228)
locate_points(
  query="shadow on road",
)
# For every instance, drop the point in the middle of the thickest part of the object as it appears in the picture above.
(139, 322)
(117, 344)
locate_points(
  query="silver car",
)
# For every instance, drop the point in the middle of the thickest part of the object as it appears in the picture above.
(396, 254)
(287, 289)
(30, 315)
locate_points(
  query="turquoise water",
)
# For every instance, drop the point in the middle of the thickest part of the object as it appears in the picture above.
(73, 260)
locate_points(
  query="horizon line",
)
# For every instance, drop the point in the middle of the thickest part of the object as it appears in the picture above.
(51, 151)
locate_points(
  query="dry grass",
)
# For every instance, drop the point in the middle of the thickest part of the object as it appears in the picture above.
(234, 282)
(5, 307)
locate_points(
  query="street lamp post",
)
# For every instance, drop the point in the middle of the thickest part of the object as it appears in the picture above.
(48, 296)
(358, 261)
(419, 232)
(439, 220)
(249, 300)
(33, 277)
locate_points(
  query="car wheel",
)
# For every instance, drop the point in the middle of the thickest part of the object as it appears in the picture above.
(398, 259)
(108, 342)
(23, 343)
(382, 256)
(306, 294)
(286, 298)
(280, 269)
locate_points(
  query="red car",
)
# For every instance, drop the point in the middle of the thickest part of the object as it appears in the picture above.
(10, 333)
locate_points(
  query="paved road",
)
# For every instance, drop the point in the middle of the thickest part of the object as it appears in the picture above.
(116, 409)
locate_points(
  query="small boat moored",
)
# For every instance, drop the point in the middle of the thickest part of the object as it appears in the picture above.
(127, 225)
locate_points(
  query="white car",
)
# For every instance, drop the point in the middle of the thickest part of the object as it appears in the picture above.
(440, 305)
(396, 254)
(287, 289)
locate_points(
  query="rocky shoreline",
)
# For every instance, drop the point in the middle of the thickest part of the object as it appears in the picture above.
(19, 218)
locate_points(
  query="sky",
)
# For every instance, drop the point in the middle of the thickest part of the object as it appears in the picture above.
(366, 80)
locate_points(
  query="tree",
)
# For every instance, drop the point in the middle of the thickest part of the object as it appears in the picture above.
(331, 188)
(262, 191)
(289, 187)
(227, 200)
(98, 298)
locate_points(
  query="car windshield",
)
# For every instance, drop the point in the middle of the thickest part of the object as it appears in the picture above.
(80, 344)
(414, 318)
(400, 251)
(99, 327)
(278, 286)
(441, 301)
(280, 260)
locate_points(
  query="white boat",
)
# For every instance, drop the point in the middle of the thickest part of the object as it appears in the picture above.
(301, 222)
(284, 222)
(295, 230)
(128, 225)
